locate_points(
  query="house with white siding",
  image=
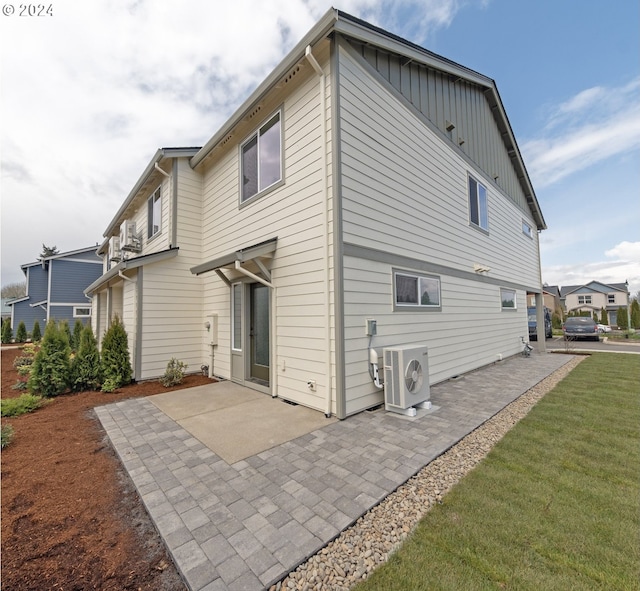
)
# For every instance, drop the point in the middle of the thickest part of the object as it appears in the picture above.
(366, 178)
(55, 289)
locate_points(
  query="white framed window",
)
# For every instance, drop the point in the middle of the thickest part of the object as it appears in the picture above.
(413, 291)
(82, 311)
(236, 316)
(154, 213)
(261, 159)
(611, 298)
(527, 230)
(584, 299)
(478, 208)
(508, 299)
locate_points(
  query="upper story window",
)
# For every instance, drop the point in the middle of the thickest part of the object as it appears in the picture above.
(416, 291)
(81, 311)
(261, 159)
(611, 298)
(154, 213)
(584, 299)
(478, 214)
(527, 230)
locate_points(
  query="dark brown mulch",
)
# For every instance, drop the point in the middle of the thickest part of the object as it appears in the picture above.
(71, 518)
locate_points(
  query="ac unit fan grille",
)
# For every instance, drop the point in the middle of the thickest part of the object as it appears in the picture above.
(413, 377)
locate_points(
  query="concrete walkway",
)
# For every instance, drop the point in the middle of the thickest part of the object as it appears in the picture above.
(245, 525)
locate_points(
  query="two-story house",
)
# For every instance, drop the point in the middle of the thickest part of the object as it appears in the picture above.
(365, 179)
(55, 288)
(594, 297)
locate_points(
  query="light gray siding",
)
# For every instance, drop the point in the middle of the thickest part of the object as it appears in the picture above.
(405, 195)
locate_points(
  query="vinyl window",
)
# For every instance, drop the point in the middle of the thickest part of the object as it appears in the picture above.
(416, 291)
(508, 299)
(154, 213)
(611, 298)
(527, 230)
(584, 299)
(261, 159)
(81, 311)
(478, 210)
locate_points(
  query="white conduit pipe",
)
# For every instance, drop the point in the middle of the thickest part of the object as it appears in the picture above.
(325, 223)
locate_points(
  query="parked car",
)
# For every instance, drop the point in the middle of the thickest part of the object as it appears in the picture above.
(580, 327)
(533, 324)
(604, 328)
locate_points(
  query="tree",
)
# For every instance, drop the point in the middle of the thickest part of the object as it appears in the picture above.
(14, 290)
(64, 327)
(78, 327)
(36, 335)
(21, 333)
(48, 251)
(50, 372)
(85, 368)
(635, 314)
(114, 358)
(622, 319)
(7, 333)
(595, 317)
(604, 317)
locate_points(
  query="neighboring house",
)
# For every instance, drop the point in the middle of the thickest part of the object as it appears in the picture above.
(55, 288)
(365, 178)
(550, 298)
(6, 309)
(594, 296)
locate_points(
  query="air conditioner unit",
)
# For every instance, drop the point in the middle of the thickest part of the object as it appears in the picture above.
(129, 240)
(115, 255)
(406, 379)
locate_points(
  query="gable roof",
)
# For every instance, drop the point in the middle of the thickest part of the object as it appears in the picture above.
(355, 28)
(59, 255)
(596, 286)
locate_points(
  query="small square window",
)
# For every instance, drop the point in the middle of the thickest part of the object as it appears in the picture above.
(527, 230)
(508, 299)
(611, 298)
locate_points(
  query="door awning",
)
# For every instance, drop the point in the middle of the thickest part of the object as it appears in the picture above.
(258, 254)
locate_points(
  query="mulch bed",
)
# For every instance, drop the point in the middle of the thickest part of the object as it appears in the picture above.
(71, 518)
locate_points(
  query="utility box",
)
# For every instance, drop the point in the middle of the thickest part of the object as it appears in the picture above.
(212, 322)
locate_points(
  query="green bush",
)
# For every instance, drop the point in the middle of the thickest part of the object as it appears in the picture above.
(174, 373)
(7, 333)
(14, 407)
(36, 335)
(85, 367)
(63, 326)
(604, 317)
(78, 327)
(635, 314)
(21, 333)
(6, 435)
(114, 358)
(622, 319)
(50, 372)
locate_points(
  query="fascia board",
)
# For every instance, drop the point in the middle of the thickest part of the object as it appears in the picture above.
(320, 30)
(160, 154)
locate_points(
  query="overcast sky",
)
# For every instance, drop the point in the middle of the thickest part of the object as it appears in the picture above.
(92, 89)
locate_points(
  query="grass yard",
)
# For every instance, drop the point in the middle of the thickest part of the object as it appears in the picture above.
(555, 505)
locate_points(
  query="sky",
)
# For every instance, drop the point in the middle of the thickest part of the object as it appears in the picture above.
(90, 90)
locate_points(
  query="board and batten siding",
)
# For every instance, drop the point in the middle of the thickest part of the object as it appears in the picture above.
(293, 213)
(405, 194)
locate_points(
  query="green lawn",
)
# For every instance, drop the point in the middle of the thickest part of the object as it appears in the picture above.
(555, 505)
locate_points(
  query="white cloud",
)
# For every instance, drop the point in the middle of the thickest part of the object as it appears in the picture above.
(619, 264)
(592, 126)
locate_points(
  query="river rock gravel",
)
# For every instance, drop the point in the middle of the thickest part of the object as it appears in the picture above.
(369, 542)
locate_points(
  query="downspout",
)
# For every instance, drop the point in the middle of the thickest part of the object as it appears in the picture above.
(325, 223)
(273, 375)
(160, 170)
(123, 276)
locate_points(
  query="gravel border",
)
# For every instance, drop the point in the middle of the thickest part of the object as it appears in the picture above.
(369, 542)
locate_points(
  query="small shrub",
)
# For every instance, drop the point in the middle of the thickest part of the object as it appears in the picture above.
(7, 333)
(36, 335)
(78, 327)
(51, 369)
(85, 367)
(114, 358)
(174, 373)
(6, 435)
(22, 361)
(20, 385)
(14, 407)
(21, 333)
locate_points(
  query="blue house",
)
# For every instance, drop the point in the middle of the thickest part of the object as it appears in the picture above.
(55, 287)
